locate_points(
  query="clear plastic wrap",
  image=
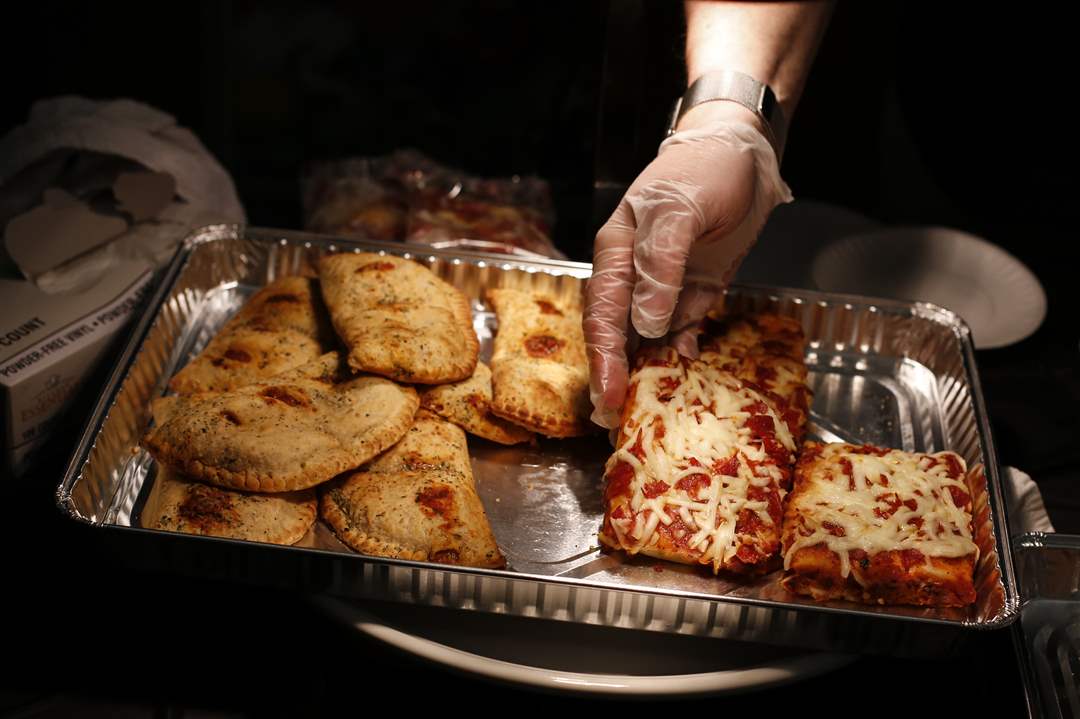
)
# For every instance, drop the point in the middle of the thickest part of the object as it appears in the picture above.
(356, 198)
(408, 197)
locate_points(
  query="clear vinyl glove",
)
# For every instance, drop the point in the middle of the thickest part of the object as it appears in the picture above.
(678, 235)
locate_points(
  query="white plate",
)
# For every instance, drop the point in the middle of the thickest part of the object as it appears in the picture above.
(998, 297)
(579, 658)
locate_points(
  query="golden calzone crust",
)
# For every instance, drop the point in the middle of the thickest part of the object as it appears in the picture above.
(468, 405)
(540, 375)
(178, 504)
(183, 505)
(399, 320)
(284, 325)
(292, 432)
(417, 501)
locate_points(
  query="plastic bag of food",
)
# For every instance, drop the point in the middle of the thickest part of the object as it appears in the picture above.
(458, 210)
(352, 198)
(406, 196)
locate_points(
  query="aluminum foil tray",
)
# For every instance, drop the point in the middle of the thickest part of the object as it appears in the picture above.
(888, 373)
(1047, 637)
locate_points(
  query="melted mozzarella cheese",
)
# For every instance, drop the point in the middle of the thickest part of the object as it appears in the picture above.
(788, 378)
(897, 501)
(702, 418)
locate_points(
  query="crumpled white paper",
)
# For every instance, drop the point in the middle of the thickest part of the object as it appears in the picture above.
(134, 132)
(1024, 504)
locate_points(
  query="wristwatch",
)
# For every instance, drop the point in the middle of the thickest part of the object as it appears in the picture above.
(735, 87)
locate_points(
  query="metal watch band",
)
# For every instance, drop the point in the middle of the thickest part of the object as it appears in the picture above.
(735, 87)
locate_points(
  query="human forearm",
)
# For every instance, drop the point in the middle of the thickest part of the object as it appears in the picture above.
(773, 42)
(697, 208)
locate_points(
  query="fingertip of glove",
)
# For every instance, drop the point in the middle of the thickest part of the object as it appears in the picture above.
(686, 345)
(606, 394)
(649, 327)
(606, 418)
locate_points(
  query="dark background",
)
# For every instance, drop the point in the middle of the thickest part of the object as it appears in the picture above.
(913, 113)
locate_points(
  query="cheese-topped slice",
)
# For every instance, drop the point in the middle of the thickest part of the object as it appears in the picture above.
(868, 500)
(702, 464)
(765, 350)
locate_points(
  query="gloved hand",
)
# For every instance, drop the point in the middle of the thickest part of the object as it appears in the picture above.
(676, 238)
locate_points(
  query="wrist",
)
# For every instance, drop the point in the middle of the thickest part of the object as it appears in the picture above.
(731, 96)
(709, 113)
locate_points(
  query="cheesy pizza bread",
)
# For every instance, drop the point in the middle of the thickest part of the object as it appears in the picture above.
(880, 526)
(702, 463)
(767, 351)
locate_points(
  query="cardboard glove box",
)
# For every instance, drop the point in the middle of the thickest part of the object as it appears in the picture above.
(94, 199)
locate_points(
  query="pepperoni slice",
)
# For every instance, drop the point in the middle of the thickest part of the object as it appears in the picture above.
(654, 489)
(693, 484)
(618, 481)
(728, 467)
(834, 529)
(959, 497)
(953, 467)
(761, 425)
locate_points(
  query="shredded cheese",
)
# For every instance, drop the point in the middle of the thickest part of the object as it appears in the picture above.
(692, 419)
(896, 501)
